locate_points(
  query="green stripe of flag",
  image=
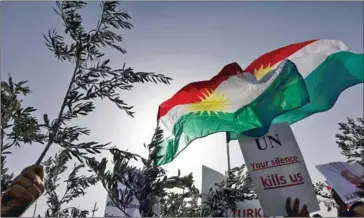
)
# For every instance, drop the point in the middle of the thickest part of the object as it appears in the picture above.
(338, 72)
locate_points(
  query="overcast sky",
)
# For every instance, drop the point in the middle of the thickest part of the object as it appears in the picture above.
(188, 41)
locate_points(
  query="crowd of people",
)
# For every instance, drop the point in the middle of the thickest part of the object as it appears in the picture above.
(28, 187)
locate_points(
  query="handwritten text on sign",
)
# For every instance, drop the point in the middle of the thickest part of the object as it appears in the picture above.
(111, 210)
(248, 208)
(278, 170)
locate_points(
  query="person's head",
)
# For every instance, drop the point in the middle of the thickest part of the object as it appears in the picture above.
(358, 209)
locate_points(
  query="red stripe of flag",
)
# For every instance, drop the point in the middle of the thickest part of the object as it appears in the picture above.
(276, 56)
(191, 92)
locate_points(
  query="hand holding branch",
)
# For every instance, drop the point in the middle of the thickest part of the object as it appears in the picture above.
(23, 192)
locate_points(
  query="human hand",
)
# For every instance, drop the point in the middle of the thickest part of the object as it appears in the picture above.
(23, 191)
(295, 212)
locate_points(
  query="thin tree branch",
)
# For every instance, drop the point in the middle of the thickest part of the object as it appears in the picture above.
(35, 208)
(59, 119)
(94, 209)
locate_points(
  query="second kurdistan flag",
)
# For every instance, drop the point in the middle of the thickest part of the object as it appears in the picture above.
(328, 67)
(284, 85)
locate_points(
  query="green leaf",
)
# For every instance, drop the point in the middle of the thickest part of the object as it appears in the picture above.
(105, 62)
(46, 119)
(11, 84)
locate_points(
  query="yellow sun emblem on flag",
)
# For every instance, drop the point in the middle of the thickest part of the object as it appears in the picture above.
(259, 73)
(211, 102)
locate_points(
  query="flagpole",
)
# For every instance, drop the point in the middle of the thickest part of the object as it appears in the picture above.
(228, 151)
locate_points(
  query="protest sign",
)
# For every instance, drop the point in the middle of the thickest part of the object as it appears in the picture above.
(248, 208)
(209, 178)
(278, 171)
(111, 210)
(344, 178)
(132, 210)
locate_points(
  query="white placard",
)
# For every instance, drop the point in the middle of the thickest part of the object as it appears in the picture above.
(209, 178)
(111, 210)
(248, 208)
(343, 177)
(132, 210)
(278, 170)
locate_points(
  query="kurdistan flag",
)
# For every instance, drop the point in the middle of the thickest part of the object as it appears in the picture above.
(328, 67)
(284, 85)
